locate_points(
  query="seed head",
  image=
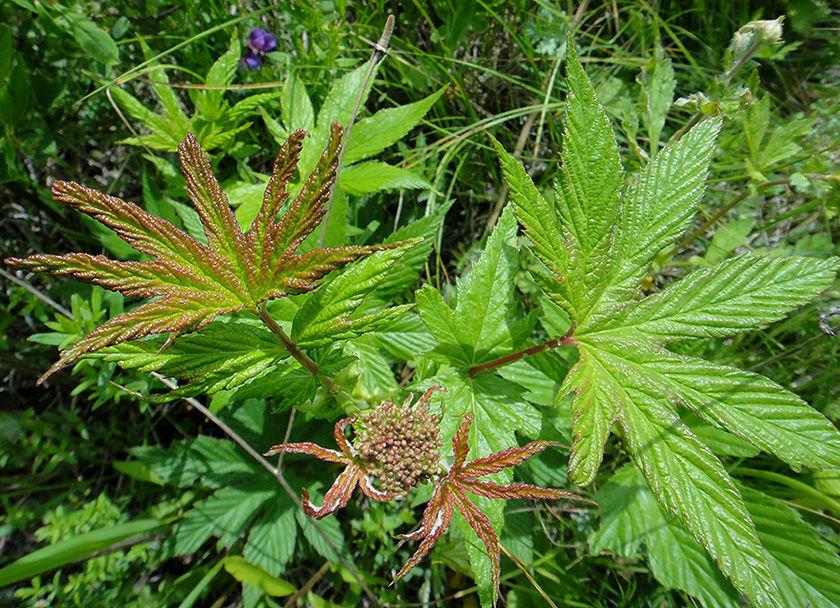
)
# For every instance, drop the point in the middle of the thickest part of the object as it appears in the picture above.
(399, 445)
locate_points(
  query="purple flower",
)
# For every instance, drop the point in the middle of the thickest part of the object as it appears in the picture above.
(250, 61)
(261, 41)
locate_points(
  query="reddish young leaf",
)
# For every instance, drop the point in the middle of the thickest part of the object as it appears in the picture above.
(449, 494)
(191, 282)
(342, 488)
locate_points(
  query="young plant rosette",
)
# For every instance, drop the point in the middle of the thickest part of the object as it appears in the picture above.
(396, 448)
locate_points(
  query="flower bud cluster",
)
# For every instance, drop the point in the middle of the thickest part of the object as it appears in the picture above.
(399, 445)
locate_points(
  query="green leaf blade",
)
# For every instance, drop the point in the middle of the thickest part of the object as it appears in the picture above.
(594, 410)
(588, 190)
(753, 408)
(738, 294)
(691, 483)
(373, 134)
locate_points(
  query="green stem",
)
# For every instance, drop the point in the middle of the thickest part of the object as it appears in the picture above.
(300, 356)
(378, 53)
(533, 350)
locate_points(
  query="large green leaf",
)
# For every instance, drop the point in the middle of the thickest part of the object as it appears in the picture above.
(373, 134)
(624, 375)
(374, 176)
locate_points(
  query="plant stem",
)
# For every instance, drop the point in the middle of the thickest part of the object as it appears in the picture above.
(300, 356)
(533, 350)
(378, 53)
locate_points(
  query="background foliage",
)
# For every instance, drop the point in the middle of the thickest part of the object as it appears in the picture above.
(101, 93)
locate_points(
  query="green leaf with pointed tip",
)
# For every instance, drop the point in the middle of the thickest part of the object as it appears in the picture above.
(373, 134)
(630, 517)
(658, 209)
(538, 217)
(691, 483)
(192, 282)
(296, 109)
(337, 107)
(738, 294)
(750, 406)
(595, 410)
(375, 176)
(328, 314)
(625, 375)
(657, 84)
(590, 180)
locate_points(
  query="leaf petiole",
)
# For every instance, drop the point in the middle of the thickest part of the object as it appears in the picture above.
(300, 356)
(533, 350)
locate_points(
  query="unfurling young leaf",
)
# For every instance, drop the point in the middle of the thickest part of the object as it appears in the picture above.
(193, 282)
(596, 240)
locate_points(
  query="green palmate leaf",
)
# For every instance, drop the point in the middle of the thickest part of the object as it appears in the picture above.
(483, 322)
(599, 248)
(192, 281)
(658, 209)
(631, 516)
(804, 565)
